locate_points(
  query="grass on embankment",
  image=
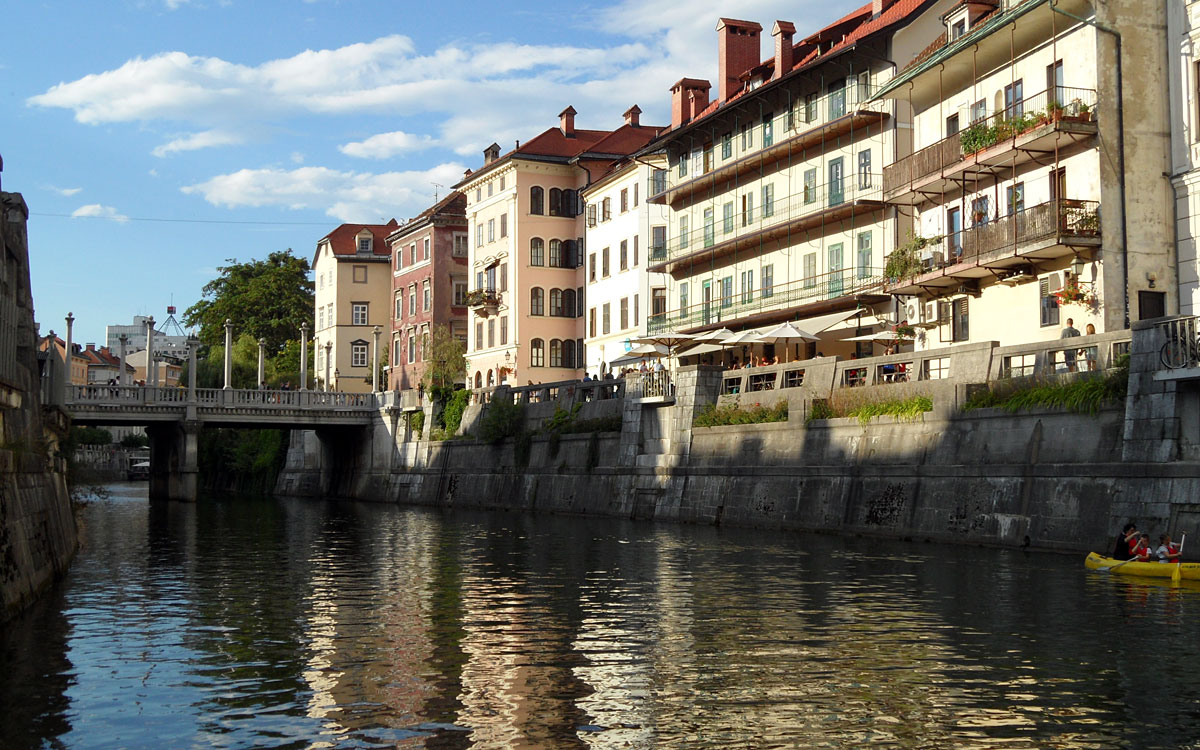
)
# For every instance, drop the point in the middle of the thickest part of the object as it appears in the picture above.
(863, 407)
(1084, 393)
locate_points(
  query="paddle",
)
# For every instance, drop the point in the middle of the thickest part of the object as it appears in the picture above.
(1177, 574)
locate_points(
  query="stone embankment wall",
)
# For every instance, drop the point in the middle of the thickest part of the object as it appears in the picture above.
(1044, 479)
(37, 527)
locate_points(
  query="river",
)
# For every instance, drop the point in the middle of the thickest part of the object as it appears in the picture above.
(260, 623)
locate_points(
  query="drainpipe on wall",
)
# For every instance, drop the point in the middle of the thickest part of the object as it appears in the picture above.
(1120, 147)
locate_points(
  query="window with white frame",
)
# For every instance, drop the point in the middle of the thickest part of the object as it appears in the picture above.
(358, 313)
(768, 280)
(864, 254)
(747, 287)
(460, 293)
(460, 245)
(425, 250)
(358, 354)
(426, 295)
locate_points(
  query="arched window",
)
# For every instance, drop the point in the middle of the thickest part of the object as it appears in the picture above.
(537, 301)
(478, 380)
(568, 303)
(491, 378)
(568, 354)
(569, 259)
(556, 254)
(537, 353)
(556, 303)
(568, 203)
(535, 200)
(555, 202)
(537, 252)
(556, 359)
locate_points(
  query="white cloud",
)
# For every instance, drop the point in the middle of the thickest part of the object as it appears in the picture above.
(386, 145)
(196, 141)
(95, 210)
(65, 192)
(348, 196)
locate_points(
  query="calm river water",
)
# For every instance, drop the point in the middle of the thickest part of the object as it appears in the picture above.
(264, 623)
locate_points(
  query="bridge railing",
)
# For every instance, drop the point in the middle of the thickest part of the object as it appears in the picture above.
(118, 395)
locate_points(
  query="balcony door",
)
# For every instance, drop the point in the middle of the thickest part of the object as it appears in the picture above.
(835, 266)
(954, 233)
(836, 185)
(707, 297)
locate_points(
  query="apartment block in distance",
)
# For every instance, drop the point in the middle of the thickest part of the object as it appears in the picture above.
(429, 271)
(353, 277)
(526, 250)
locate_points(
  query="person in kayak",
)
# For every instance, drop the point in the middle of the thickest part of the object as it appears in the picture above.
(1125, 542)
(1168, 551)
(1142, 552)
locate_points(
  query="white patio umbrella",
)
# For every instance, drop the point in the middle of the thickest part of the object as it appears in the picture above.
(714, 336)
(884, 336)
(786, 334)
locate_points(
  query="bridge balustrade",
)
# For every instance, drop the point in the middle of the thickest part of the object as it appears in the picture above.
(117, 395)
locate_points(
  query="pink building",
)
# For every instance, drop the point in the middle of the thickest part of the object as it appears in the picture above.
(526, 250)
(429, 270)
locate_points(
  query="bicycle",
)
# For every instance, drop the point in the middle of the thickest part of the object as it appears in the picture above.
(1179, 351)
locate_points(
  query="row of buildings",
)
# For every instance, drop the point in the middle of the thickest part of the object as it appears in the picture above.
(958, 167)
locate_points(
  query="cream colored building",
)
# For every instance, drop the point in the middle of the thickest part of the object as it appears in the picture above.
(526, 249)
(618, 286)
(352, 274)
(1183, 44)
(1020, 172)
(168, 370)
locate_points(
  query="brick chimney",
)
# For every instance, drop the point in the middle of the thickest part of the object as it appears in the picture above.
(879, 6)
(683, 103)
(737, 51)
(566, 122)
(632, 116)
(783, 32)
(491, 153)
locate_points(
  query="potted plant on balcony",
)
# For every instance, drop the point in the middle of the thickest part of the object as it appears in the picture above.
(904, 331)
(905, 262)
(1054, 111)
(1073, 294)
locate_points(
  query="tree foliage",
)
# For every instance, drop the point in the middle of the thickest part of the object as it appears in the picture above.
(445, 363)
(266, 299)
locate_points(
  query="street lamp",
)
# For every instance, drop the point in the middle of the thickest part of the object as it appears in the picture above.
(70, 325)
(336, 374)
(262, 348)
(375, 360)
(328, 350)
(228, 354)
(304, 356)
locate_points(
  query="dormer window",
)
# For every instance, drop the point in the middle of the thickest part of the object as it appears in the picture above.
(958, 29)
(364, 244)
(958, 22)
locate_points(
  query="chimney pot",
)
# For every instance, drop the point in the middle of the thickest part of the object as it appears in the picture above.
(737, 51)
(491, 153)
(689, 97)
(566, 122)
(784, 59)
(633, 116)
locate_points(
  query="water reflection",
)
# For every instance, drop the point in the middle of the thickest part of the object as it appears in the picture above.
(257, 623)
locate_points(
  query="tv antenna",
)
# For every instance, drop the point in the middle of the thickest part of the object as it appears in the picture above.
(435, 192)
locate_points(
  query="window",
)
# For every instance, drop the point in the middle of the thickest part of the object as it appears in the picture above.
(747, 137)
(810, 108)
(397, 352)
(568, 353)
(503, 231)
(321, 316)
(504, 277)
(810, 270)
(358, 313)
(479, 335)
(556, 303)
(635, 309)
(837, 99)
(979, 111)
(1054, 83)
(683, 232)
(865, 255)
(624, 255)
(624, 200)
(491, 328)
(478, 194)
(1048, 303)
(635, 195)
(980, 210)
(958, 29)
(864, 169)
(768, 280)
(478, 235)
(810, 185)
(568, 303)
(768, 130)
(768, 200)
(747, 287)
(658, 181)
(835, 189)
(606, 209)
(501, 183)
(1014, 99)
(364, 244)
(1016, 198)
(951, 125)
(490, 187)
(556, 254)
(624, 313)
(727, 146)
(460, 245)
(710, 227)
(592, 267)
(460, 293)
(321, 278)
(658, 241)
(491, 225)
(579, 300)
(358, 354)
(658, 300)
(605, 318)
(959, 320)
(360, 274)
(683, 161)
(604, 262)
(412, 346)
(412, 253)
(954, 232)
(536, 200)
(537, 250)
(412, 299)
(708, 158)
(490, 273)
(747, 209)
(556, 358)
(591, 215)
(537, 301)
(570, 203)
(592, 322)
(683, 296)
(504, 330)
(555, 202)
(426, 296)
(727, 291)
(537, 353)
(635, 250)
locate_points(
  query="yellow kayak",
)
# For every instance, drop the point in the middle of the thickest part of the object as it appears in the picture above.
(1189, 571)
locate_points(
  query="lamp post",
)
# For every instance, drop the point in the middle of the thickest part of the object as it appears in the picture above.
(151, 378)
(262, 348)
(328, 350)
(228, 354)
(375, 360)
(70, 325)
(304, 356)
(192, 344)
(336, 374)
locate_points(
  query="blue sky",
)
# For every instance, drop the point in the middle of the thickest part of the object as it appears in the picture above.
(154, 139)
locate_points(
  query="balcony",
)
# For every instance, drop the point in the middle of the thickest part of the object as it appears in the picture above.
(829, 292)
(484, 301)
(790, 134)
(1041, 126)
(1052, 230)
(816, 207)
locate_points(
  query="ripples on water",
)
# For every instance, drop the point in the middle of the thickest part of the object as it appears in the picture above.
(293, 624)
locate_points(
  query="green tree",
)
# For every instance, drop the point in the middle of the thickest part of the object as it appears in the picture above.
(445, 364)
(266, 299)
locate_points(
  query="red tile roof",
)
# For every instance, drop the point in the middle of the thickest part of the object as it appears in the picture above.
(452, 207)
(343, 240)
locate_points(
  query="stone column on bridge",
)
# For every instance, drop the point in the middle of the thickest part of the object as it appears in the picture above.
(262, 349)
(121, 379)
(375, 360)
(328, 349)
(70, 328)
(228, 354)
(151, 371)
(304, 356)
(192, 344)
